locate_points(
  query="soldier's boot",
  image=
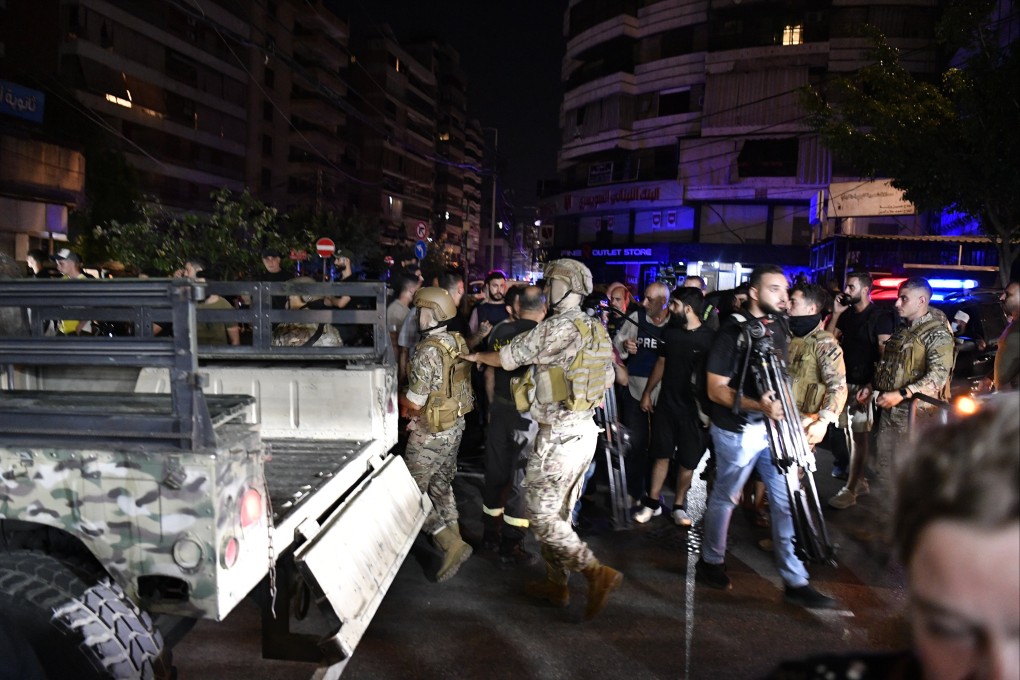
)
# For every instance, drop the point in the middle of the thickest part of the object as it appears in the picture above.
(602, 580)
(455, 551)
(556, 592)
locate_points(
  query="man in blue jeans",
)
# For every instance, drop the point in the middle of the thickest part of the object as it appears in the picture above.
(742, 446)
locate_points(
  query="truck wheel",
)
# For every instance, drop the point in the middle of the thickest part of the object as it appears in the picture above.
(80, 626)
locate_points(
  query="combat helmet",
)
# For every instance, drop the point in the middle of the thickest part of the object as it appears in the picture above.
(573, 273)
(438, 301)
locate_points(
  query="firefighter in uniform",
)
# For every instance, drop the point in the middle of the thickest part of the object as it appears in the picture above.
(571, 358)
(437, 398)
(816, 363)
(918, 358)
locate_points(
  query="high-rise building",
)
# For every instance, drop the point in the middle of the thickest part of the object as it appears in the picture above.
(683, 135)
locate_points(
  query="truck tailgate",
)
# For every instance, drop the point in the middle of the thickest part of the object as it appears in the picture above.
(351, 559)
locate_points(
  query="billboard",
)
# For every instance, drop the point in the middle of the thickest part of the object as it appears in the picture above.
(867, 198)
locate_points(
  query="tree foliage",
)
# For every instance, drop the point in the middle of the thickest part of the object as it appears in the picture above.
(230, 239)
(950, 144)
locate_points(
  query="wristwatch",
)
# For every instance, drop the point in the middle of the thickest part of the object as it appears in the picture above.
(903, 392)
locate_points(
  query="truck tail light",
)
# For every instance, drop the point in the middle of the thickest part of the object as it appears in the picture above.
(231, 548)
(251, 508)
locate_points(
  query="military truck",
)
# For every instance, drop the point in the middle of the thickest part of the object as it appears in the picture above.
(148, 481)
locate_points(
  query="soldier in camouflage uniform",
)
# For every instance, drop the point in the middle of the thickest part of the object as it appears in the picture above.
(816, 363)
(571, 355)
(918, 359)
(438, 395)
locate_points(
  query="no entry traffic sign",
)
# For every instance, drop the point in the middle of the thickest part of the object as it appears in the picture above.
(325, 247)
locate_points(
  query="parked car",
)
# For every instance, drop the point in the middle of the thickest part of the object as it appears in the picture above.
(977, 338)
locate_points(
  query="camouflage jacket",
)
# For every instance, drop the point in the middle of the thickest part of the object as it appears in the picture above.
(819, 374)
(919, 356)
(553, 342)
(425, 374)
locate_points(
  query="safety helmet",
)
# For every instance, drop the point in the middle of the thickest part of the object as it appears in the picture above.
(437, 300)
(573, 273)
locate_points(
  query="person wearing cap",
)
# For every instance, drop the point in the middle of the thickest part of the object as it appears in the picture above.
(69, 265)
(571, 358)
(437, 398)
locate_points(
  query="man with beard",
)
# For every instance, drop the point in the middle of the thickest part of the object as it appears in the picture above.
(862, 330)
(489, 311)
(742, 444)
(677, 427)
(637, 342)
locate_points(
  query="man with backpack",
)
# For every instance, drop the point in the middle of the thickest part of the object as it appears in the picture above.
(679, 425)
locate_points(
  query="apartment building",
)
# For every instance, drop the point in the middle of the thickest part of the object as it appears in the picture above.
(683, 136)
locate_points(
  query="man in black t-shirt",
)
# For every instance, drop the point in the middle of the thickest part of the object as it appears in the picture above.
(509, 441)
(742, 444)
(677, 428)
(862, 330)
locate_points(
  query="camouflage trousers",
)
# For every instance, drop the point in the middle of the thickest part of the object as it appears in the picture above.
(432, 461)
(553, 482)
(894, 435)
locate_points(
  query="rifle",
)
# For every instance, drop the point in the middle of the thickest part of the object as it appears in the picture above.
(788, 443)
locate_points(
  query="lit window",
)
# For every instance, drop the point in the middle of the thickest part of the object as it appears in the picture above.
(444, 136)
(793, 35)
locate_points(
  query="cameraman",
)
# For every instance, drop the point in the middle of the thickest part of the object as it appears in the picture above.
(742, 445)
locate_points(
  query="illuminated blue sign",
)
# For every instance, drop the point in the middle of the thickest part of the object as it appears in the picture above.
(21, 102)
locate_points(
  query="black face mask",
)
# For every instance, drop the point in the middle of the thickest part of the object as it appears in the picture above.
(802, 325)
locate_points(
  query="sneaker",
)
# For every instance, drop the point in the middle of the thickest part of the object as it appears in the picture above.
(840, 472)
(712, 575)
(843, 500)
(645, 513)
(863, 488)
(808, 597)
(681, 518)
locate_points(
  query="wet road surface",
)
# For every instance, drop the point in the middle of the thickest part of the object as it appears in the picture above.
(658, 625)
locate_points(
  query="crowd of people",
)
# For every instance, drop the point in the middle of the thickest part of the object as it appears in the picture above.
(532, 363)
(677, 366)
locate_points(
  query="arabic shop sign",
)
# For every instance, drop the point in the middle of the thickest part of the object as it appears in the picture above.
(647, 195)
(21, 102)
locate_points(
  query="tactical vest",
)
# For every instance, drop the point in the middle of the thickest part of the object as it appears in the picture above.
(581, 386)
(905, 359)
(454, 397)
(808, 390)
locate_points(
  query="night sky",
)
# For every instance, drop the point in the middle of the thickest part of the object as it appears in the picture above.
(511, 53)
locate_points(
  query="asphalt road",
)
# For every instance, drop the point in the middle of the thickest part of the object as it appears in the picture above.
(658, 625)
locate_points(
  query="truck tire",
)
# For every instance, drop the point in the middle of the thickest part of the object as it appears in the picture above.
(80, 626)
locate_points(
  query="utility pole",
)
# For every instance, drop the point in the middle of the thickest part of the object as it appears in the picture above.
(492, 216)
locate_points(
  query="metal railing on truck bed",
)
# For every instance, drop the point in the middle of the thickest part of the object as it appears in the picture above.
(184, 419)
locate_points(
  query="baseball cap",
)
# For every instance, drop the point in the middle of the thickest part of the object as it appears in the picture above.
(271, 252)
(343, 252)
(66, 254)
